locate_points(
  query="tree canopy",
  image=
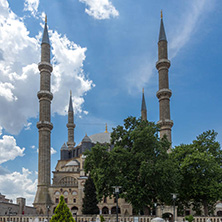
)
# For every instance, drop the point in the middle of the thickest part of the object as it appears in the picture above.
(90, 200)
(200, 167)
(62, 212)
(138, 162)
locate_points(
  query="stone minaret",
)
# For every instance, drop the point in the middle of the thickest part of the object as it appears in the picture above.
(143, 108)
(70, 125)
(42, 198)
(164, 92)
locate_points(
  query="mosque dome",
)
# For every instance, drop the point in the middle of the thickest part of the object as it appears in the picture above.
(104, 137)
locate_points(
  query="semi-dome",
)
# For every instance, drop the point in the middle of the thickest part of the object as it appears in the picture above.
(72, 163)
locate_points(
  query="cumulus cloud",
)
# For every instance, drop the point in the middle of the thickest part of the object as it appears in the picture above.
(19, 75)
(53, 151)
(100, 9)
(3, 170)
(8, 149)
(68, 59)
(33, 146)
(32, 6)
(18, 184)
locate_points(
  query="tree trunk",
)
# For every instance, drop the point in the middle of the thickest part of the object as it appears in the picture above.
(205, 208)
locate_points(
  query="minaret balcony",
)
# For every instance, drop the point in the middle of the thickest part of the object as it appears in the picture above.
(45, 66)
(45, 125)
(164, 94)
(165, 63)
(45, 94)
(165, 124)
(71, 125)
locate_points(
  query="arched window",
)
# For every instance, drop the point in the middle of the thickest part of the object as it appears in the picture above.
(105, 210)
(57, 193)
(113, 210)
(66, 193)
(74, 210)
(68, 181)
(74, 193)
(219, 213)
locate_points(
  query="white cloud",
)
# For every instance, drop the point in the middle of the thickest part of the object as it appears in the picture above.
(188, 24)
(33, 146)
(68, 73)
(28, 126)
(100, 9)
(32, 6)
(18, 184)
(9, 150)
(0, 130)
(19, 75)
(53, 151)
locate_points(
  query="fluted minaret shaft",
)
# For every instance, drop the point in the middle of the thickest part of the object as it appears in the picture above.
(143, 108)
(44, 125)
(164, 92)
(70, 125)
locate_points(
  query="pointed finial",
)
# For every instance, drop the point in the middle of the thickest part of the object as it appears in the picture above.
(45, 18)
(161, 14)
(106, 131)
(143, 90)
(70, 93)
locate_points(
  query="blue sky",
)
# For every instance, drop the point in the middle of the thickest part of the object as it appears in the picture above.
(105, 52)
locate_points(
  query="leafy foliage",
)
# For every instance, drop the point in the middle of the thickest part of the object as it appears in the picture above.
(200, 166)
(139, 162)
(62, 212)
(189, 218)
(90, 201)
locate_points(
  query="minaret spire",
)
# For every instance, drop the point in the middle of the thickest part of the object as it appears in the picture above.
(162, 34)
(42, 198)
(143, 107)
(70, 125)
(164, 92)
(45, 37)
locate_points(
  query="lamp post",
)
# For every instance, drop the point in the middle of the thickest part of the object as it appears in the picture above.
(155, 205)
(9, 212)
(48, 207)
(117, 195)
(174, 200)
(75, 212)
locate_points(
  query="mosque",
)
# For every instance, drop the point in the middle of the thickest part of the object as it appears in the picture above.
(69, 176)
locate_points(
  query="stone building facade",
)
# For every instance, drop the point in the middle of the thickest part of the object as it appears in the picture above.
(8, 208)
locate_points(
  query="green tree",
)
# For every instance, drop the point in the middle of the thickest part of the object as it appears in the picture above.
(90, 201)
(62, 212)
(139, 162)
(201, 170)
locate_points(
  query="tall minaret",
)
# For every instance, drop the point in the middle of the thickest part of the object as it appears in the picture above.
(143, 108)
(42, 198)
(70, 125)
(164, 92)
